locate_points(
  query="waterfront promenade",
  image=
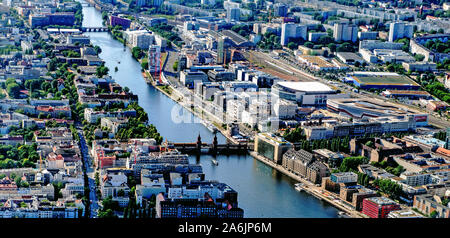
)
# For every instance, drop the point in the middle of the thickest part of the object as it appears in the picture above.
(178, 97)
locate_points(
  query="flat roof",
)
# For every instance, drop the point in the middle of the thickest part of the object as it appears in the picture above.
(349, 55)
(409, 92)
(372, 105)
(382, 78)
(307, 86)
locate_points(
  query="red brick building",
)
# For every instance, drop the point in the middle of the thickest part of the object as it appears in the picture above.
(379, 207)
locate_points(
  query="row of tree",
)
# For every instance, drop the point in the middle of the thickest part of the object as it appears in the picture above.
(442, 135)
(387, 186)
(168, 32)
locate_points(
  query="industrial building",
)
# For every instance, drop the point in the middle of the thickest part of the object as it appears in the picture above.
(372, 108)
(305, 93)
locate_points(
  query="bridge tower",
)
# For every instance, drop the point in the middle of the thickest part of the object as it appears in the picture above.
(214, 144)
(199, 143)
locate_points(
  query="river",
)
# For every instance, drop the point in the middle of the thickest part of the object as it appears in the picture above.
(263, 191)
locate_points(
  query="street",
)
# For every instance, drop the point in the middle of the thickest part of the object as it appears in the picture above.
(90, 172)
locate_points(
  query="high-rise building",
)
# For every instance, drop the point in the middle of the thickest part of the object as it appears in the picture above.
(59, 18)
(233, 14)
(345, 32)
(208, 2)
(291, 30)
(182, 63)
(141, 3)
(154, 58)
(398, 30)
(223, 51)
(447, 139)
(142, 40)
(124, 22)
(280, 9)
(156, 3)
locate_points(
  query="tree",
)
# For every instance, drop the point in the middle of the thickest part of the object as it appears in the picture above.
(390, 68)
(144, 64)
(332, 47)
(175, 66)
(345, 47)
(419, 57)
(323, 40)
(107, 214)
(292, 45)
(352, 163)
(97, 49)
(433, 214)
(309, 44)
(137, 52)
(101, 71)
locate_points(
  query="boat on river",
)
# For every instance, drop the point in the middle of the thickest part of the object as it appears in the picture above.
(342, 214)
(209, 126)
(299, 187)
(215, 162)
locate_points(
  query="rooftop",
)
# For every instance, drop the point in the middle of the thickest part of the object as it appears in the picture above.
(382, 78)
(381, 200)
(306, 86)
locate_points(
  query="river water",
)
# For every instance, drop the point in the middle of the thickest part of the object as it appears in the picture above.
(263, 192)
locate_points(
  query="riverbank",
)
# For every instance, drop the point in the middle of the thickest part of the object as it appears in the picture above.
(310, 188)
(177, 97)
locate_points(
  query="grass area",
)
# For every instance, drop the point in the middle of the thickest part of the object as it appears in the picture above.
(165, 88)
(219, 126)
(163, 59)
(400, 79)
(169, 17)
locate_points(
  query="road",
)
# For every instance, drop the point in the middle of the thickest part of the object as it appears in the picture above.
(89, 170)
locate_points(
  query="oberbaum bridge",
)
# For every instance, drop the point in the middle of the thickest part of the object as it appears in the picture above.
(214, 148)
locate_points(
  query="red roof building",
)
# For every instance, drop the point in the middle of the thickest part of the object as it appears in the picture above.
(379, 207)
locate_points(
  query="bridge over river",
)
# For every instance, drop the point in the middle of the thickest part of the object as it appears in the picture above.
(94, 29)
(214, 148)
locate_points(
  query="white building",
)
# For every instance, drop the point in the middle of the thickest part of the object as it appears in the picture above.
(291, 30)
(112, 182)
(345, 32)
(315, 36)
(377, 44)
(398, 30)
(415, 179)
(154, 58)
(284, 109)
(346, 177)
(397, 56)
(233, 14)
(188, 77)
(142, 40)
(368, 35)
